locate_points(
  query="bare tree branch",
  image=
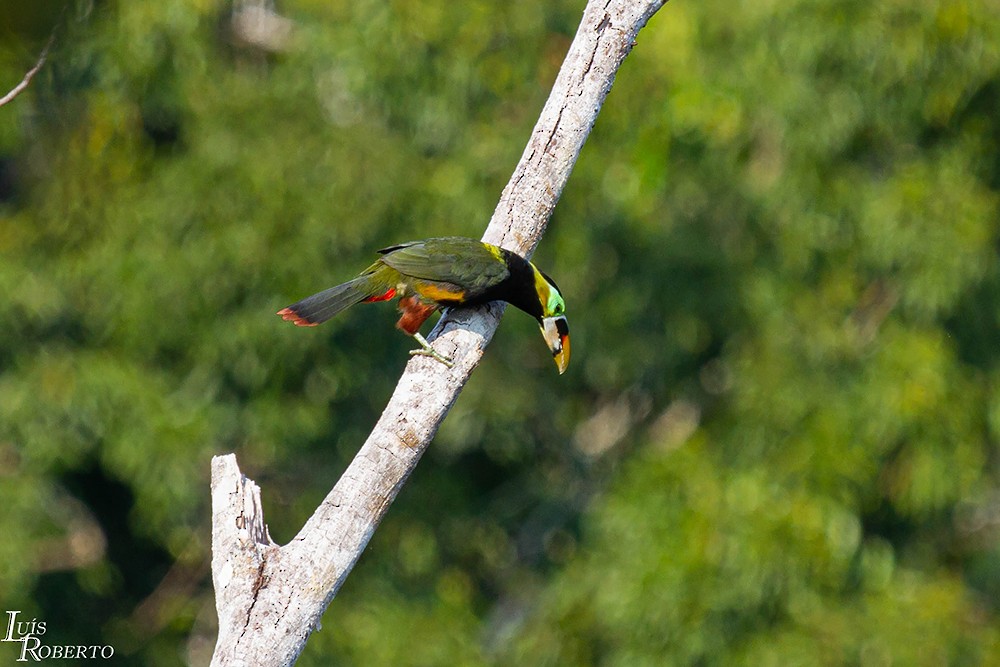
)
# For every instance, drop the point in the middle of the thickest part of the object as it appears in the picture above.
(270, 598)
(19, 88)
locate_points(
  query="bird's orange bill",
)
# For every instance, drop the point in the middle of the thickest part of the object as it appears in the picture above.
(555, 331)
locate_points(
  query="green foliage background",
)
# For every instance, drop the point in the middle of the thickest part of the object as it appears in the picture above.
(777, 443)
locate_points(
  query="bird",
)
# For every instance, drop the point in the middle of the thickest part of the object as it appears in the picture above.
(442, 273)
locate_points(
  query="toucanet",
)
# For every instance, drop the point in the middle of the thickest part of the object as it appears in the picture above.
(441, 273)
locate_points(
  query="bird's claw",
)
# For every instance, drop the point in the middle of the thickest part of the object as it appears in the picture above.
(427, 351)
(434, 355)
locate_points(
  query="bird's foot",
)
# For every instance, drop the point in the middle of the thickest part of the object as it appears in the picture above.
(427, 351)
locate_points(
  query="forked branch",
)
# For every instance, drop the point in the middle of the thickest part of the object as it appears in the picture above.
(270, 598)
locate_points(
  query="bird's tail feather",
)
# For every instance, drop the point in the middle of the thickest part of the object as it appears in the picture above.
(322, 306)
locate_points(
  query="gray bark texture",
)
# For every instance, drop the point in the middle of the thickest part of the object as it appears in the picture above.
(270, 598)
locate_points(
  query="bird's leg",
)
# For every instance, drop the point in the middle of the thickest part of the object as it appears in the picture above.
(428, 351)
(414, 314)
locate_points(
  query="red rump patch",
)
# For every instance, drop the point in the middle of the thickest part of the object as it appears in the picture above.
(389, 293)
(290, 315)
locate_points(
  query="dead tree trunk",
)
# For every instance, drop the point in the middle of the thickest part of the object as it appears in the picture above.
(270, 598)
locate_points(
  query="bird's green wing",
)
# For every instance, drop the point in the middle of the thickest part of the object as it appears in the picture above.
(470, 264)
